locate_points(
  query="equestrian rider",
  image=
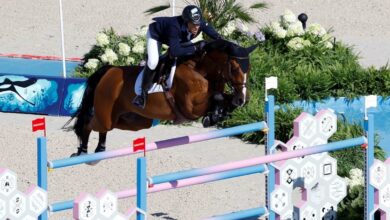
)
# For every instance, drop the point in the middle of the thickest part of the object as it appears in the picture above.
(176, 32)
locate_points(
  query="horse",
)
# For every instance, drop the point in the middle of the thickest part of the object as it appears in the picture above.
(106, 103)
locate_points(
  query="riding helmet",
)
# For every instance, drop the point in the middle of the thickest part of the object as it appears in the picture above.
(193, 14)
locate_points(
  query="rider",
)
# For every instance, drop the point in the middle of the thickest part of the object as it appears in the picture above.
(176, 32)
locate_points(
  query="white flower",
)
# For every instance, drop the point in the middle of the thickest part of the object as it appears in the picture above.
(139, 47)
(275, 26)
(124, 49)
(288, 17)
(242, 27)
(317, 30)
(197, 38)
(327, 37)
(109, 56)
(280, 33)
(229, 28)
(296, 43)
(347, 180)
(134, 38)
(130, 60)
(102, 39)
(295, 29)
(328, 45)
(356, 178)
(92, 64)
(278, 30)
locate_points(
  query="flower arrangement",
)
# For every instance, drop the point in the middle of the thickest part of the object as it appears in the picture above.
(240, 33)
(112, 49)
(356, 178)
(289, 32)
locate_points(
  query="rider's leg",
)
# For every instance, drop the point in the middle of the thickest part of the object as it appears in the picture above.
(153, 48)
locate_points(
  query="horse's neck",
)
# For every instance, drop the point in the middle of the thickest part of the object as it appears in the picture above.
(210, 66)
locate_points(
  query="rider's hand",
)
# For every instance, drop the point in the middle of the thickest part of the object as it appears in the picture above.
(199, 46)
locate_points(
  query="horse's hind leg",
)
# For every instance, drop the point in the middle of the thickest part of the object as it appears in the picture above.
(83, 148)
(102, 142)
(100, 147)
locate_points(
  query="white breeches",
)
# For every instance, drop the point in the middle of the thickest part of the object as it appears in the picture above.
(153, 50)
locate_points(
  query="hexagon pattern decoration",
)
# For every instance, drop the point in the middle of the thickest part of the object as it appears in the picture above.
(281, 201)
(18, 205)
(103, 206)
(306, 212)
(378, 173)
(380, 180)
(315, 174)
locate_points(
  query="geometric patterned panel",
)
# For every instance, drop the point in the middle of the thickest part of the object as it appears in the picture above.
(315, 177)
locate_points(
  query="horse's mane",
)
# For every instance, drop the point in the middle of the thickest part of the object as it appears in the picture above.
(232, 49)
(225, 46)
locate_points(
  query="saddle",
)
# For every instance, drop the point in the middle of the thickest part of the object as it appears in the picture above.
(163, 70)
(162, 82)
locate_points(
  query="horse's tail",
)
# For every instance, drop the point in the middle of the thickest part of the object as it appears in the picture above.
(84, 113)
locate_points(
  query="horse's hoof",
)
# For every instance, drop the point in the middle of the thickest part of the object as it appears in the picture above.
(78, 154)
(206, 121)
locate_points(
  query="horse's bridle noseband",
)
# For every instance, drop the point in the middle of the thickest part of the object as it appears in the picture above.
(229, 66)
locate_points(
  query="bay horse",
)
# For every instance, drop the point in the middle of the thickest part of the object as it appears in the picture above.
(106, 103)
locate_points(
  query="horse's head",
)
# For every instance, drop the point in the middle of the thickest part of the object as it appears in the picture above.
(235, 67)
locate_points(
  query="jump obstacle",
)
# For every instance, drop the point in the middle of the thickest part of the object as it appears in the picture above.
(219, 172)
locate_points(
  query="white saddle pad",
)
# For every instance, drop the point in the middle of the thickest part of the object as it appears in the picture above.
(155, 87)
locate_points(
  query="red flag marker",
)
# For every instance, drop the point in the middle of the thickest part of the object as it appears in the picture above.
(38, 125)
(139, 144)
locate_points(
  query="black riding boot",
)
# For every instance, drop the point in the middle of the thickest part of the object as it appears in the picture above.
(147, 79)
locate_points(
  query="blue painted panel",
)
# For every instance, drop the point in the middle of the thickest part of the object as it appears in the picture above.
(72, 96)
(30, 94)
(20, 66)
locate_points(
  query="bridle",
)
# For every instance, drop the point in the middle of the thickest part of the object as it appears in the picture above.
(233, 85)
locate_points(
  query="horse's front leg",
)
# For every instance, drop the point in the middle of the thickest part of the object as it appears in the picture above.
(215, 112)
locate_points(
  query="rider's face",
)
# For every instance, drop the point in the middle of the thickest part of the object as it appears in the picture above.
(193, 28)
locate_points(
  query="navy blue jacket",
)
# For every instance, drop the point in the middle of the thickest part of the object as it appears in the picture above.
(172, 31)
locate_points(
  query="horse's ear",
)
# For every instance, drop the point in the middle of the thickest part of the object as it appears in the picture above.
(251, 48)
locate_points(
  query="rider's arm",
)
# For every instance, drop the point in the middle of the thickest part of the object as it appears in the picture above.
(210, 31)
(175, 47)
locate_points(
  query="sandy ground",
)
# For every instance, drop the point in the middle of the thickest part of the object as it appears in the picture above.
(18, 152)
(33, 28)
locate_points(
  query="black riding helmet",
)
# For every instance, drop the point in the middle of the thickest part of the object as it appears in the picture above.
(193, 14)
